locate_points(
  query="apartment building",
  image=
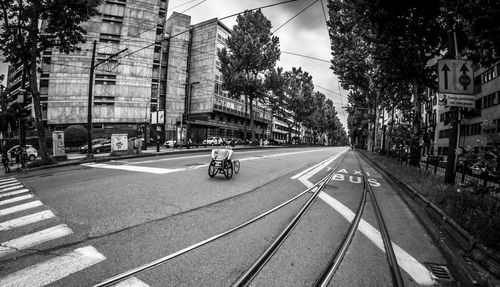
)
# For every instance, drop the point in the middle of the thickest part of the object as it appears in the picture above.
(197, 105)
(123, 89)
(166, 65)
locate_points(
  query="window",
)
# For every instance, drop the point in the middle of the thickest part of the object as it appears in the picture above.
(109, 38)
(105, 79)
(489, 75)
(475, 129)
(490, 100)
(107, 18)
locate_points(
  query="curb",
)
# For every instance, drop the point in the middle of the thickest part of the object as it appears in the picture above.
(449, 236)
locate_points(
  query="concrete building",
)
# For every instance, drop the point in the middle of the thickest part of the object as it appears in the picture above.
(196, 103)
(169, 65)
(123, 88)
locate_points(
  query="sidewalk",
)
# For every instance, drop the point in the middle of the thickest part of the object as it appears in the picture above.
(75, 158)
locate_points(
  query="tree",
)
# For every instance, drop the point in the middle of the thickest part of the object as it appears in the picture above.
(299, 90)
(23, 39)
(252, 53)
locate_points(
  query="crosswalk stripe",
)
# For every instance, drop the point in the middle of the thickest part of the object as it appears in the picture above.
(6, 179)
(30, 240)
(53, 269)
(25, 220)
(15, 199)
(20, 207)
(6, 183)
(131, 282)
(14, 192)
(11, 187)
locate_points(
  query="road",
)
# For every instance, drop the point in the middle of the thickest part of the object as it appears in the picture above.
(91, 222)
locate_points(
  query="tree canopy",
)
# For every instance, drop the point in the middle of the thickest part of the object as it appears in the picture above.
(252, 52)
(29, 27)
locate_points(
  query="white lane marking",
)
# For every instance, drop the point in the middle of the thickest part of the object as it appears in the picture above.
(207, 155)
(14, 192)
(6, 179)
(16, 199)
(157, 170)
(131, 282)
(32, 239)
(25, 220)
(20, 207)
(53, 269)
(417, 271)
(154, 170)
(11, 188)
(8, 183)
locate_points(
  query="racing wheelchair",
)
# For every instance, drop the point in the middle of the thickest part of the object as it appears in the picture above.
(223, 162)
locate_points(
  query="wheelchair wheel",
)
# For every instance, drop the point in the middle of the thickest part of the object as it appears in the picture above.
(212, 170)
(236, 166)
(228, 169)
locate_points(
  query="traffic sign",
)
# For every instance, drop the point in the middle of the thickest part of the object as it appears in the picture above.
(456, 100)
(456, 77)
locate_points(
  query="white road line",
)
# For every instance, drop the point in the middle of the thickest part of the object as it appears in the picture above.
(10, 182)
(6, 179)
(131, 282)
(14, 192)
(20, 207)
(157, 170)
(16, 199)
(410, 265)
(11, 188)
(53, 269)
(154, 170)
(33, 239)
(25, 220)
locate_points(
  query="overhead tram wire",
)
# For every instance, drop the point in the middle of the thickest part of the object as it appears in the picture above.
(226, 17)
(307, 7)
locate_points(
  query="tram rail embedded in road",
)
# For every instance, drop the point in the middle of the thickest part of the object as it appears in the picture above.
(315, 188)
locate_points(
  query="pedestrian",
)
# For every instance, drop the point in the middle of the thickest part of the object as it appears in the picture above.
(5, 162)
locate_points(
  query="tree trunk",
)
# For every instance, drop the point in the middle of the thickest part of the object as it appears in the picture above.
(246, 116)
(35, 93)
(415, 137)
(289, 132)
(252, 127)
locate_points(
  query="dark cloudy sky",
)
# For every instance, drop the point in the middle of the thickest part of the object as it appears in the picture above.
(306, 34)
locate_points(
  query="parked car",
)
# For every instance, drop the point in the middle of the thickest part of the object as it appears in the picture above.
(98, 145)
(235, 142)
(31, 153)
(213, 141)
(274, 142)
(171, 143)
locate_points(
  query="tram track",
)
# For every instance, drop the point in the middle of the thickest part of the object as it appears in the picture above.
(155, 263)
(330, 268)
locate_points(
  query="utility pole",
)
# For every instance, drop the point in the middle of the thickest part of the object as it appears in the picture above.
(90, 154)
(188, 118)
(449, 176)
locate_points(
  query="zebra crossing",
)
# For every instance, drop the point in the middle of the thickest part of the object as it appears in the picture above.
(16, 199)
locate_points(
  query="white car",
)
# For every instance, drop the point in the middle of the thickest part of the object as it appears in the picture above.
(31, 152)
(213, 141)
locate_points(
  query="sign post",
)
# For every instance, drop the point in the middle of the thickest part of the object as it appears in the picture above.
(456, 89)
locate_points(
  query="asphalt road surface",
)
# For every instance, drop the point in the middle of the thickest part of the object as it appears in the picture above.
(79, 225)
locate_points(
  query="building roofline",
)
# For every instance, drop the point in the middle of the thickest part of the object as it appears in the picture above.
(210, 21)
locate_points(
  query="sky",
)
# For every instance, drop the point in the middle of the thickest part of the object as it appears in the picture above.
(306, 34)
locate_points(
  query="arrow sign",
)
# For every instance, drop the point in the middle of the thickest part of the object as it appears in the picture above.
(455, 76)
(445, 69)
(464, 79)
